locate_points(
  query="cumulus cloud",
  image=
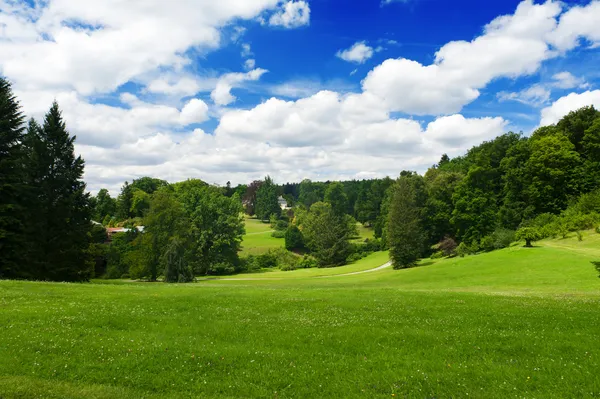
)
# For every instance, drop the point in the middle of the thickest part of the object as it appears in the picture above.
(195, 111)
(76, 52)
(359, 53)
(250, 63)
(566, 104)
(565, 80)
(511, 46)
(221, 95)
(292, 14)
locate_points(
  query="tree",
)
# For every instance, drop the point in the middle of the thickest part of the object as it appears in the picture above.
(12, 190)
(166, 219)
(266, 200)
(217, 226)
(405, 234)
(326, 234)
(59, 223)
(104, 205)
(529, 234)
(293, 238)
(309, 193)
(337, 198)
(249, 197)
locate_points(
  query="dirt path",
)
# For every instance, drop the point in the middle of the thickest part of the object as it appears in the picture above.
(385, 266)
(389, 264)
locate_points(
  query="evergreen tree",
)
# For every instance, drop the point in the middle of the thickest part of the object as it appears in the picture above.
(266, 200)
(405, 234)
(12, 190)
(338, 199)
(59, 224)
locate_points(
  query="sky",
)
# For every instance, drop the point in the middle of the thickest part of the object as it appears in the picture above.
(233, 90)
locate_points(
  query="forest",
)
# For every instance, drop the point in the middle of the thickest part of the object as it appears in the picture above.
(514, 187)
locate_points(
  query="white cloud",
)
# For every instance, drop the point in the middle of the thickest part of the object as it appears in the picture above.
(359, 53)
(565, 80)
(132, 39)
(221, 95)
(577, 23)
(195, 111)
(246, 50)
(353, 123)
(566, 104)
(534, 95)
(292, 14)
(300, 88)
(250, 63)
(511, 46)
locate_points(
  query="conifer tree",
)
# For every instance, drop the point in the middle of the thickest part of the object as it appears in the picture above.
(60, 211)
(11, 183)
(405, 234)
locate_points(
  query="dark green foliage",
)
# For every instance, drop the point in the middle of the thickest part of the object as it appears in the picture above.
(266, 200)
(12, 190)
(278, 234)
(326, 235)
(405, 234)
(120, 257)
(249, 197)
(98, 234)
(104, 206)
(60, 212)
(293, 238)
(337, 198)
(310, 193)
(127, 207)
(446, 246)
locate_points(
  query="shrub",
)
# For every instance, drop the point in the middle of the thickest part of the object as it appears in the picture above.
(125, 276)
(266, 261)
(447, 246)
(579, 235)
(487, 243)
(502, 238)
(462, 250)
(281, 225)
(356, 256)
(598, 229)
(437, 255)
(293, 238)
(221, 268)
(278, 234)
(308, 262)
(372, 245)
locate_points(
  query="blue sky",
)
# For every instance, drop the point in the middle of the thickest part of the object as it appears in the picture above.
(322, 89)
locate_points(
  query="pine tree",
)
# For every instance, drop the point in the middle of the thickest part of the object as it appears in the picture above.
(60, 212)
(405, 234)
(12, 189)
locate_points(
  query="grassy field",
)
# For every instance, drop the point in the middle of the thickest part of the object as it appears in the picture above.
(258, 238)
(363, 233)
(512, 323)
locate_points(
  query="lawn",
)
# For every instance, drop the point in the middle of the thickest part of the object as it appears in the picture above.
(512, 323)
(257, 239)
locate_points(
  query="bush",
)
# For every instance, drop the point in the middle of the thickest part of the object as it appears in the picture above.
(487, 243)
(462, 250)
(221, 268)
(447, 246)
(125, 276)
(579, 236)
(356, 256)
(437, 255)
(372, 245)
(266, 261)
(278, 234)
(293, 238)
(281, 225)
(308, 262)
(502, 238)
(598, 229)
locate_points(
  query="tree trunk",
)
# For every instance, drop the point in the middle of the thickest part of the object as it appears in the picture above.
(528, 243)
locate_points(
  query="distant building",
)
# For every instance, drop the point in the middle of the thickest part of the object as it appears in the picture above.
(114, 230)
(283, 203)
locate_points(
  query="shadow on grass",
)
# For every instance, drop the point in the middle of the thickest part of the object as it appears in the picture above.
(597, 266)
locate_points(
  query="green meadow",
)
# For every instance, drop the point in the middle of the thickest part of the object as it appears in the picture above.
(520, 322)
(258, 239)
